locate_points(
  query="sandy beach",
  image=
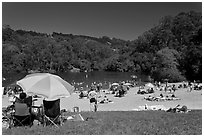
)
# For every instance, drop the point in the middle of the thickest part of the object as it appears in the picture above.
(130, 102)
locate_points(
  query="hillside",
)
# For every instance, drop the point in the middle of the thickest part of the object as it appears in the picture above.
(172, 49)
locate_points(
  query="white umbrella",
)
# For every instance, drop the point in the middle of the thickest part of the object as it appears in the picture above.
(47, 85)
(115, 84)
(128, 84)
(150, 85)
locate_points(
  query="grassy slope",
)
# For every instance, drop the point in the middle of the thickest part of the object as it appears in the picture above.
(126, 123)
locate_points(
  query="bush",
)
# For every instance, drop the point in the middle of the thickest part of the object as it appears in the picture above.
(172, 74)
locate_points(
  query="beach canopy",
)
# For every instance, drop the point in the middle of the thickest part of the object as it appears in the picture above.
(128, 84)
(46, 85)
(150, 85)
(115, 84)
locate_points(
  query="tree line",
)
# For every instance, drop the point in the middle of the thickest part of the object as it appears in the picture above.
(170, 50)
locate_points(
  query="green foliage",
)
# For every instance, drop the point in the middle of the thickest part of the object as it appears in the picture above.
(166, 66)
(171, 48)
(172, 74)
(182, 34)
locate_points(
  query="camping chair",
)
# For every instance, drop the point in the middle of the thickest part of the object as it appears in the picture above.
(52, 114)
(21, 115)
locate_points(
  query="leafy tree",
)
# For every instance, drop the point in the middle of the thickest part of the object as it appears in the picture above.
(172, 49)
(165, 66)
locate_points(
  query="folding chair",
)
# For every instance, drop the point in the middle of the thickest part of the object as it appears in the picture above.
(52, 114)
(21, 115)
(37, 112)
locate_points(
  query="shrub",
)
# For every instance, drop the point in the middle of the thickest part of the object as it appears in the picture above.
(172, 74)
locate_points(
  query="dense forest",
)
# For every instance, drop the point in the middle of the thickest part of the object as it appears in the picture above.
(172, 50)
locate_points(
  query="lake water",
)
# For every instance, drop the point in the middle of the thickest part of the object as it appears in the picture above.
(83, 78)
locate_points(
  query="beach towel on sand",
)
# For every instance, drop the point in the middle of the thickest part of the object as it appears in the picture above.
(76, 117)
(154, 107)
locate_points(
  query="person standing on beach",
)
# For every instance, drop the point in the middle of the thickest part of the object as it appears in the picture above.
(190, 86)
(174, 88)
(92, 95)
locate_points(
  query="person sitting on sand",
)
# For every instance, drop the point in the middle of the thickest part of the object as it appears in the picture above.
(151, 90)
(183, 109)
(149, 98)
(159, 98)
(161, 95)
(105, 100)
(180, 86)
(178, 109)
(168, 98)
(173, 96)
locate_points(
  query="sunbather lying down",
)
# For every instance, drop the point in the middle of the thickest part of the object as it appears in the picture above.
(153, 107)
(162, 98)
(105, 100)
(178, 109)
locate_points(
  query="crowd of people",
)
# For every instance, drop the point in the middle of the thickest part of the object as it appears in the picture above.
(161, 97)
(190, 86)
(120, 90)
(96, 94)
(142, 90)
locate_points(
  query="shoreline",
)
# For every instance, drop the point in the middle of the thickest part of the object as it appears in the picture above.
(131, 101)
